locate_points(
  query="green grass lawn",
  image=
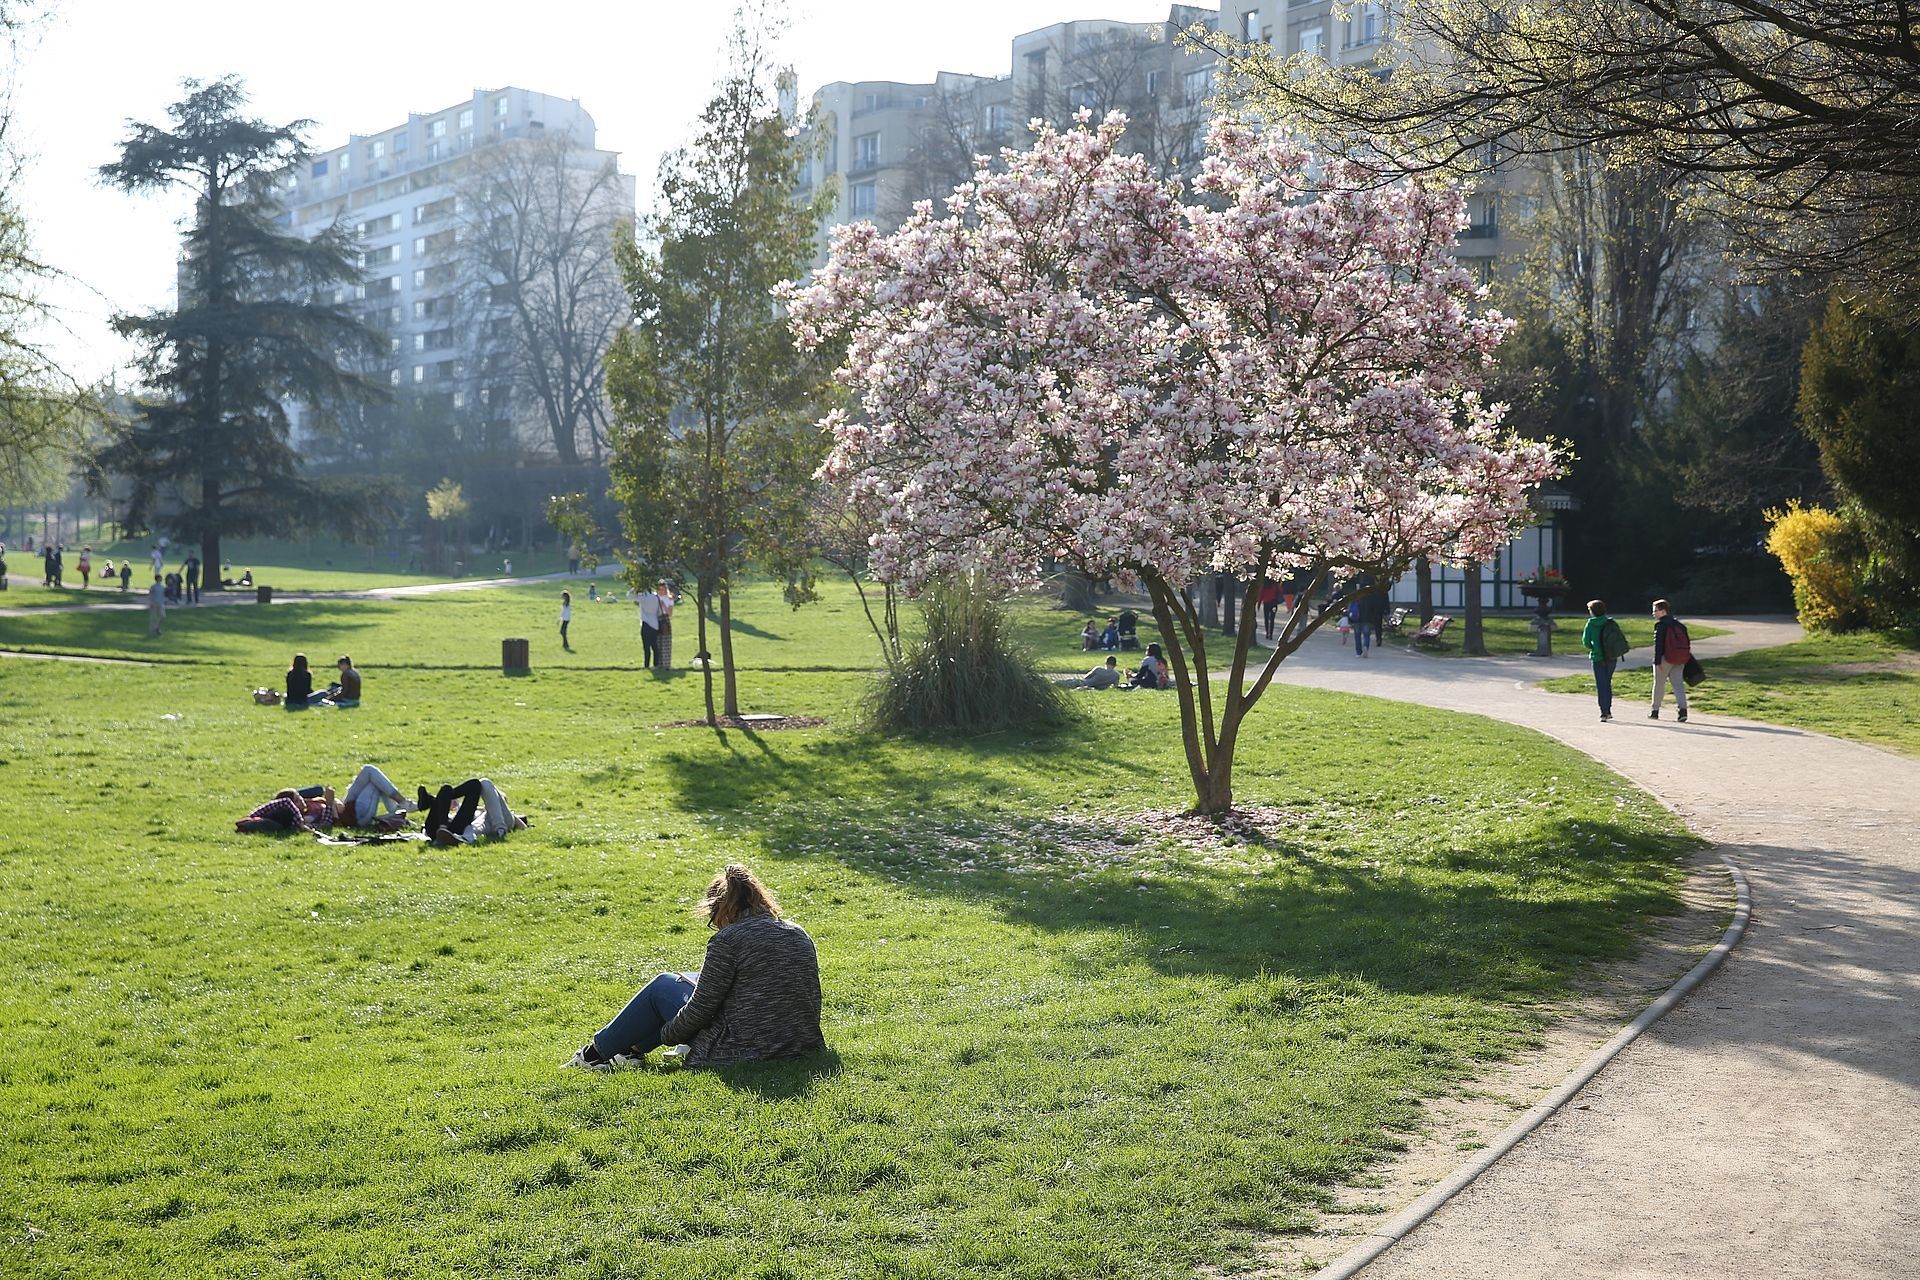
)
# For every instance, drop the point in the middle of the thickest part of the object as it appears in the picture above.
(316, 564)
(1862, 686)
(1064, 1043)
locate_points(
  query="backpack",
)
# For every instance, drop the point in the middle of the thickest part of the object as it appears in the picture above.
(1613, 642)
(1679, 646)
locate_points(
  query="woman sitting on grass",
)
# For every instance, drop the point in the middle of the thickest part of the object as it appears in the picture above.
(299, 683)
(1152, 672)
(756, 996)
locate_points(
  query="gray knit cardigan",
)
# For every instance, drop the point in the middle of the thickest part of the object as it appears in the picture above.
(758, 996)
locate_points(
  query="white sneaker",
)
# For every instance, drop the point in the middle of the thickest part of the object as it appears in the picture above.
(580, 1060)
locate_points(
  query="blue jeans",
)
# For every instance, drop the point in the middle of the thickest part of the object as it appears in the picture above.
(636, 1028)
(1362, 634)
(1603, 683)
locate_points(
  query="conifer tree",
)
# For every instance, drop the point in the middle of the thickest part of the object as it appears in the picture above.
(254, 329)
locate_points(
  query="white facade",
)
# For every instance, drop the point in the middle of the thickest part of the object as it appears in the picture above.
(397, 191)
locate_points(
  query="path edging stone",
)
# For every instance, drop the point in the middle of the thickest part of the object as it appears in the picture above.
(1401, 1224)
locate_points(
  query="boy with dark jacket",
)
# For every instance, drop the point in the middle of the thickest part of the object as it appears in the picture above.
(1671, 649)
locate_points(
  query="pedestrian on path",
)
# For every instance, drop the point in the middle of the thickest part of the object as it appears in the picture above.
(1672, 646)
(566, 616)
(156, 606)
(159, 560)
(46, 563)
(192, 576)
(126, 573)
(1606, 644)
(85, 566)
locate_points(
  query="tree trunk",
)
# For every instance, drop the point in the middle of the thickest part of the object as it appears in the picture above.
(1472, 640)
(1076, 591)
(1423, 588)
(706, 668)
(731, 689)
(209, 561)
(1226, 585)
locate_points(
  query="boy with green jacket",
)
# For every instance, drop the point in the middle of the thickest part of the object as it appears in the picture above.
(1606, 644)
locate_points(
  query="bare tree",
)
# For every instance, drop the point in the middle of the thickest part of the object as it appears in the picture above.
(541, 295)
(1797, 116)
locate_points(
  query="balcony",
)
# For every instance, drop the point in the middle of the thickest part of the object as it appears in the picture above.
(1481, 231)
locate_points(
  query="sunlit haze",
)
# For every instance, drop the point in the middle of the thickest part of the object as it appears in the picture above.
(641, 69)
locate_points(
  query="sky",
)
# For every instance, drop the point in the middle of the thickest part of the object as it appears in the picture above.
(641, 68)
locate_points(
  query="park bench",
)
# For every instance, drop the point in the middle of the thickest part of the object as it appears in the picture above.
(1397, 619)
(1430, 634)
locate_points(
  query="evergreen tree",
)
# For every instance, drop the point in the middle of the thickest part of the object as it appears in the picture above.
(207, 453)
(714, 442)
(1859, 383)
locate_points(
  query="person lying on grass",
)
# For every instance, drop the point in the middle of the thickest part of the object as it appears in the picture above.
(756, 996)
(305, 808)
(482, 810)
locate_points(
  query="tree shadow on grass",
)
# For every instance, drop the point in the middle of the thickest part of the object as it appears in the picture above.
(1509, 914)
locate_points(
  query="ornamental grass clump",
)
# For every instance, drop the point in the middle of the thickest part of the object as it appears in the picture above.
(966, 674)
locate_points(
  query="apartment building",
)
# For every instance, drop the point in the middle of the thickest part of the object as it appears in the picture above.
(1346, 34)
(886, 144)
(404, 192)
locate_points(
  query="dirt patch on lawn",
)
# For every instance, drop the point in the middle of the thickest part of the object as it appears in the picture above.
(750, 722)
(1474, 1113)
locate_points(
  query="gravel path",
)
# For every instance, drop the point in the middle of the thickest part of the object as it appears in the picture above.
(1767, 1126)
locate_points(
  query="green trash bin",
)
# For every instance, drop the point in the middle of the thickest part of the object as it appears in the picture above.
(263, 595)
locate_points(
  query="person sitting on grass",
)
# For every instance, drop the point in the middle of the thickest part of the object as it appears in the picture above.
(1152, 672)
(1110, 638)
(756, 996)
(483, 811)
(1089, 637)
(344, 692)
(1106, 676)
(299, 684)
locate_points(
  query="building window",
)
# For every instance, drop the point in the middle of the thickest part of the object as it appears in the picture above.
(1198, 84)
(1250, 26)
(466, 118)
(866, 151)
(500, 108)
(393, 376)
(1364, 26)
(1153, 84)
(437, 128)
(1083, 97)
(865, 197)
(871, 102)
(419, 342)
(377, 149)
(1313, 42)
(393, 346)
(460, 397)
(399, 144)
(999, 118)
(420, 278)
(319, 168)
(419, 373)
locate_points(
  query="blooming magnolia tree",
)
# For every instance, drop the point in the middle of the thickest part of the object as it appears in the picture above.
(1073, 363)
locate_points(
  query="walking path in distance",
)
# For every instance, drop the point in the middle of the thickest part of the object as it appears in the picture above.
(1767, 1126)
(137, 600)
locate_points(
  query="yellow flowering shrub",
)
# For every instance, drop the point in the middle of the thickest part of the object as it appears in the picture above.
(1811, 544)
